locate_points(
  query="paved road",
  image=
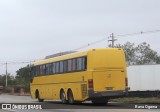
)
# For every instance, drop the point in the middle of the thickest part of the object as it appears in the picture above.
(5, 98)
(81, 107)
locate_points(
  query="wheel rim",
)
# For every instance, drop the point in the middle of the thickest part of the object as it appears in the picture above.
(63, 97)
(71, 100)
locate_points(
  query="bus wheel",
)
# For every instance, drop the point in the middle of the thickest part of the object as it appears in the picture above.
(70, 97)
(100, 101)
(63, 97)
(38, 97)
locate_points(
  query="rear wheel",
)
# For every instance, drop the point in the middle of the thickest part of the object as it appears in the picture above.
(70, 97)
(63, 97)
(102, 101)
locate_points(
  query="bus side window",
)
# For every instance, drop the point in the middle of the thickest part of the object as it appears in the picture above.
(61, 67)
(84, 63)
(79, 64)
(65, 66)
(73, 64)
(57, 67)
(47, 69)
(54, 68)
(69, 65)
(50, 68)
(41, 70)
(37, 70)
(44, 69)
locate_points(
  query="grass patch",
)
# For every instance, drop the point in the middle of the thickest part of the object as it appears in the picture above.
(153, 100)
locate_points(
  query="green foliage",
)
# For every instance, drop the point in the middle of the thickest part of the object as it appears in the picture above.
(2, 80)
(11, 80)
(23, 76)
(22, 79)
(140, 54)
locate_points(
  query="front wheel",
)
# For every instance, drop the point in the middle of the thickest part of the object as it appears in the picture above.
(70, 97)
(39, 99)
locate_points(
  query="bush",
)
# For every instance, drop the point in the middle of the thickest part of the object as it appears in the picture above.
(16, 89)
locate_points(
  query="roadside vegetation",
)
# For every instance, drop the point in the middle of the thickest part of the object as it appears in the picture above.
(21, 80)
(139, 54)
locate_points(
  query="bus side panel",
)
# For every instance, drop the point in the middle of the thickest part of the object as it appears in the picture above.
(49, 86)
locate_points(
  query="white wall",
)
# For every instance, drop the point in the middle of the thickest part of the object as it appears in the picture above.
(143, 77)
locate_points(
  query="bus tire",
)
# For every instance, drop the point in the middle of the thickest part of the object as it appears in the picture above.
(100, 101)
(63, 97)
(70, 97)
(38, 96)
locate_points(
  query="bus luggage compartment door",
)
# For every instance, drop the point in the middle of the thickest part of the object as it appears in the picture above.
(108, 80)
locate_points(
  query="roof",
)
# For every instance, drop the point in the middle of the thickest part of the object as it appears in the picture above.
(67, 56)
(59, 58)
(59, 54)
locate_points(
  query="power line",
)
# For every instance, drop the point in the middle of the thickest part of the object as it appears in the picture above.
(23, 62)
(113, 38)
(138, 33)
(89, 44)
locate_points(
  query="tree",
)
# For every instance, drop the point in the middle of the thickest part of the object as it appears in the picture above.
(145, 55)
(22, 79)
(140, 54)
(10, 80)
(22, 76)
(2, 80)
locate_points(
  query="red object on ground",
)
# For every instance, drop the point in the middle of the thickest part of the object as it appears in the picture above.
(22, 92)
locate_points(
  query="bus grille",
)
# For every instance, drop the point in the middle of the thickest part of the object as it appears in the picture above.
(84, 90)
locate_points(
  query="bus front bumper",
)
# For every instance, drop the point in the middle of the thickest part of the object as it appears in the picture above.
(111, 94)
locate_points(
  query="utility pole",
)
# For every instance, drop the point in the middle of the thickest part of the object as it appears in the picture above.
(113, 40)
(6, 74)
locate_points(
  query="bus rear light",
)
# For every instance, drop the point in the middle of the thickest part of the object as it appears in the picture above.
(90, 83)
(126, 81)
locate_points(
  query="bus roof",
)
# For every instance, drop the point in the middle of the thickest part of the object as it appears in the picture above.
(67, 56)
(59, 58)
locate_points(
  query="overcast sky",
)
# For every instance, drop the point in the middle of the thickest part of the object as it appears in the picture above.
(32, 29)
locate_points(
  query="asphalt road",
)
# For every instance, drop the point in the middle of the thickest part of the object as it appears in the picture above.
(56, 106)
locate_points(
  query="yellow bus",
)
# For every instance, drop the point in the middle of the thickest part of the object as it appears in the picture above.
(96, 74)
